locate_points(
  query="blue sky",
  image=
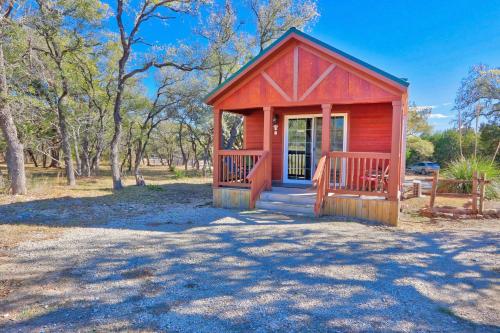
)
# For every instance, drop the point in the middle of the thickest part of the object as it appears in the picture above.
(432, 43)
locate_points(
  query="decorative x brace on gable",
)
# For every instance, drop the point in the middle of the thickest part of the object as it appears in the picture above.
(309, 90)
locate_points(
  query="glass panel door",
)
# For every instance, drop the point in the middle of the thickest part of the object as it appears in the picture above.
(336, 136)
(336, 140)
(299, 148)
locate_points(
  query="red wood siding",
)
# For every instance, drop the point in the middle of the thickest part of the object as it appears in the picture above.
(368, 126)
(253, 130)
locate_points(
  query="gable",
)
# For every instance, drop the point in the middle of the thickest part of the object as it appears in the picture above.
(299, 72)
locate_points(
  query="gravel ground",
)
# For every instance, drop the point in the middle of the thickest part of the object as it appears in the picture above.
(193, 268)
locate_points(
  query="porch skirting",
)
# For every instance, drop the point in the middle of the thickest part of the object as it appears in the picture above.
(373, 209)
(231, 198)
(369, 208)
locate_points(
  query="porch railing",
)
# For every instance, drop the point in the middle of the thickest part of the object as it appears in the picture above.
(361, 173)
(357, 173)
(258, 178)
(320, 180)
(235, 166)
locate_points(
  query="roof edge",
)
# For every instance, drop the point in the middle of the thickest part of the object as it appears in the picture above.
(250, 62)
(394, 78)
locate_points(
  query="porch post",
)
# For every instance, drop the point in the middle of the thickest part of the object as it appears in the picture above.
(268, 128)
(396, 144)
(325, 137)
(325, 128)
(217, 140)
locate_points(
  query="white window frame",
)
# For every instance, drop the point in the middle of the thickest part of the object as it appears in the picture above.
(313, 143)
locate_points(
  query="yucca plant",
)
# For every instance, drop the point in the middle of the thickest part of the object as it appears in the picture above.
(464, 168)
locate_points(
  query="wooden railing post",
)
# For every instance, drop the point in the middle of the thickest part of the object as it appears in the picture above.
(435, 180)
(474, 192)
(397, 137)
(482, 184)
(217, 141)
(268, 128)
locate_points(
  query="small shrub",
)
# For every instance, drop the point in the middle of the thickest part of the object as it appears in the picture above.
(179, 174)
(154, 187)
(464, 169)
(4, 184)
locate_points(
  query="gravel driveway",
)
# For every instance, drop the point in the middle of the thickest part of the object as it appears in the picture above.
(177, 268)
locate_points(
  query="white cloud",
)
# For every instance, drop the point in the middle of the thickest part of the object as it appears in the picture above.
(438, 116)
(423, 107)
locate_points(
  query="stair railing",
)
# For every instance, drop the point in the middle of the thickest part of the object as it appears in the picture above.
(320, 180)
(258, 178)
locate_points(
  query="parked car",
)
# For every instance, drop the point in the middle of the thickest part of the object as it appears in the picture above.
(424, 168)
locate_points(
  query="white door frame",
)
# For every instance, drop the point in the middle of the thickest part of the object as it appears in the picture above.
(313, 143)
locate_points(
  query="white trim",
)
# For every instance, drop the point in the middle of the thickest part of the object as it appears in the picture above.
(313, 143)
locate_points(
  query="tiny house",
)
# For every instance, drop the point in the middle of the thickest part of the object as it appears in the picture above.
(323, 133)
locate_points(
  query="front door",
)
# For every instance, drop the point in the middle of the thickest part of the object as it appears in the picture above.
(302, 149)
(299, 150)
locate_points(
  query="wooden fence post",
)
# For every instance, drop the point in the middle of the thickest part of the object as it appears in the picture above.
(434, 187)
(482, 184)
(474, 192)
(417, 188)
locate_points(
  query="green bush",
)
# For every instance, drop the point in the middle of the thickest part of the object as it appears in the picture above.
(179, 173)
(464, 168)
(154, 187)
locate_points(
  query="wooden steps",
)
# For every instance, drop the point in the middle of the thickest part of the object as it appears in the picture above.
(292, 201)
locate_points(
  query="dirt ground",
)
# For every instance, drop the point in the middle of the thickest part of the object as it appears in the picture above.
(160, 258)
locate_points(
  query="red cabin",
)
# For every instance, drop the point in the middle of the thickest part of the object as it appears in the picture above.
(323, 132)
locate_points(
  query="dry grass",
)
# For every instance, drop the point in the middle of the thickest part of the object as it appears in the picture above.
(48, 191)
(93, 199)
(12, 235)
(50, 183)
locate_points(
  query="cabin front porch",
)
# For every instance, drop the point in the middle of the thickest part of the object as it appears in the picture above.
(314, 116)
(327, 159)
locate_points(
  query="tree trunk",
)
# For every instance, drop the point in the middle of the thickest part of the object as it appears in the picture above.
(85, 157)
(140, 151)
(139, 181)
(32, 156)
(125, 159)
(115, 142)
(65, 144)
(460, 133)
(476, 132)
(77, 155)
(96, 160)
(185, 157)
(233, 134)
(54, 161)
(15, 150)
(196, 160)
(115, 145)
(44, 157)
(170, 160)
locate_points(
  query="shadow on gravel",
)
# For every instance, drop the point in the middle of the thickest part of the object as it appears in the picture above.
(231, 271)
